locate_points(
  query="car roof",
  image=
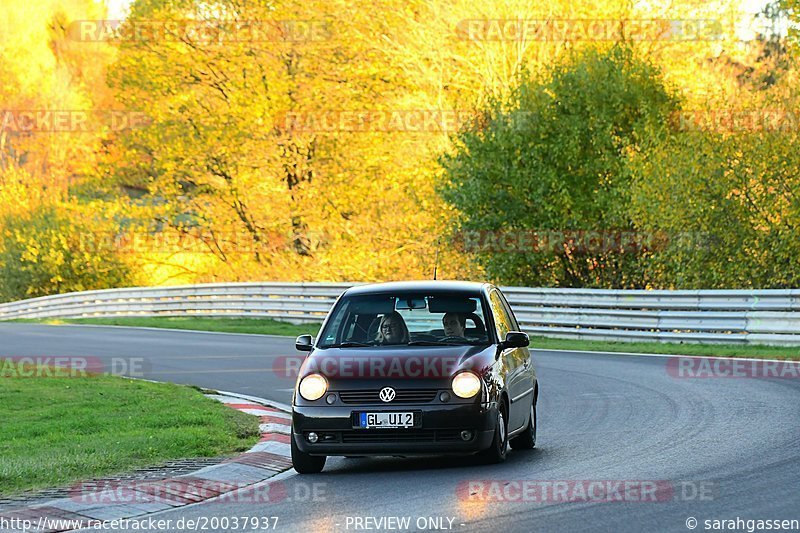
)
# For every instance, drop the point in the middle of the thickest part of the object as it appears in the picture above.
(466, 287)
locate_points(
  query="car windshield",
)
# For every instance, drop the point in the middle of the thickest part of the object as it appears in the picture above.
(407, 318)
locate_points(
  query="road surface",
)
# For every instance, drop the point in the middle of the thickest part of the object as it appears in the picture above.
(716, 448)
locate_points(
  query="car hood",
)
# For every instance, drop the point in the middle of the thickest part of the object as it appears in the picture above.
(403, 362)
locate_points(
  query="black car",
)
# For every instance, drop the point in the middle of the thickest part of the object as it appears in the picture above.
(415, 368)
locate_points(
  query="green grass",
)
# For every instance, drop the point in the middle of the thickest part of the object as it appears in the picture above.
(719, 350)
(58, 430)
(263, 326)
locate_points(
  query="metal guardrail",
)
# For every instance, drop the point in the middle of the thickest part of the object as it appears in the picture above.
(705, 316)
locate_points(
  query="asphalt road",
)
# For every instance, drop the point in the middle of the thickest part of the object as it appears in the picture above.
(716, 448)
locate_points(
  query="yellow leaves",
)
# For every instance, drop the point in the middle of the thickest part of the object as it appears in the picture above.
(220, 158)
(31, 253)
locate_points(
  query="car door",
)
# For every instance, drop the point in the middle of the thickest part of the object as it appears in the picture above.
(513, 363)
(526, 360)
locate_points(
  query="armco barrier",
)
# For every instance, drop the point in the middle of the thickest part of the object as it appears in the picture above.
(705, 316)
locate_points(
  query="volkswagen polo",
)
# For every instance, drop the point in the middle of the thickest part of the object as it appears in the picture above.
(414, 368)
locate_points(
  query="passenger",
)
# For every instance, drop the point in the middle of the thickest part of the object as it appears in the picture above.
(454, 324)
(392, 330)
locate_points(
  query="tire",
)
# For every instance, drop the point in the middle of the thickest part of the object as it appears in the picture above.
(498, 450)
(305, 463)
(527, 439)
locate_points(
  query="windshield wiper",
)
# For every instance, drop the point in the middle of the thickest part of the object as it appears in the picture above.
(349, 344)
(433, 343)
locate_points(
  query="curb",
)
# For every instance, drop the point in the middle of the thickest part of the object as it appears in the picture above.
(234, 479)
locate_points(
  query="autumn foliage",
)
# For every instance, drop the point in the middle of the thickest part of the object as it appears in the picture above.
(250, 140)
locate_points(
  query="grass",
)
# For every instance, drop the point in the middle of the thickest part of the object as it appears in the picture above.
(273, 327)
(60, 430)
(262, 326)
(719, 350)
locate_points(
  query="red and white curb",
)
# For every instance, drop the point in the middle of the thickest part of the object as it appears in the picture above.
(239, 478)
(276, 425)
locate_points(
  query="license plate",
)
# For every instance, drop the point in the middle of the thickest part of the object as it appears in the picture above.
(386, 420)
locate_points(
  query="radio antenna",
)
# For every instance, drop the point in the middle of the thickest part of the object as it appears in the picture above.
(436, 261)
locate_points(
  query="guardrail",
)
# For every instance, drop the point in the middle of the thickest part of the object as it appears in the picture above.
(705, 316)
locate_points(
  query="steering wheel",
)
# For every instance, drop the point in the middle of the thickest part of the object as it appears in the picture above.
(454, 338)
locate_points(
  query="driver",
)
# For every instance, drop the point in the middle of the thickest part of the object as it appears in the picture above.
(454, 324)
(392, 329)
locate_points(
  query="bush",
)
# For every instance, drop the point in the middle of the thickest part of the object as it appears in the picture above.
(730, 206)
(43, 252)
(555, 160)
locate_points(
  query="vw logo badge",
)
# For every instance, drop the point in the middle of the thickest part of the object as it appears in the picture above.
(387, 394)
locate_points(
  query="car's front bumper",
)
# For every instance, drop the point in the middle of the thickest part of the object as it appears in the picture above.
(438, 433)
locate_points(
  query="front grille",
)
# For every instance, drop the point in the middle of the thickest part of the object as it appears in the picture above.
(371, 436)
(403, 396)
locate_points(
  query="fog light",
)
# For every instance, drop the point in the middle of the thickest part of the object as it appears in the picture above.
(330, 399)
(466, 435)
(444, 397)
(312, 437)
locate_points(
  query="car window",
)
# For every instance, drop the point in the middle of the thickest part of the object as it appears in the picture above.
(509, 311)
(359, 319)
(502, 321)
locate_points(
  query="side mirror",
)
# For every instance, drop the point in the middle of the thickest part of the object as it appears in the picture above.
(515, 339)
(304, 343)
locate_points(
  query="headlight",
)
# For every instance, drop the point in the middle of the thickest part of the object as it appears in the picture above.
(313, 386)
(466, 384)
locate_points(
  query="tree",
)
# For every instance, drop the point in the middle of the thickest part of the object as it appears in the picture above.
(554, 161)
(44, 68)
(729, 203)
(224, 155)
